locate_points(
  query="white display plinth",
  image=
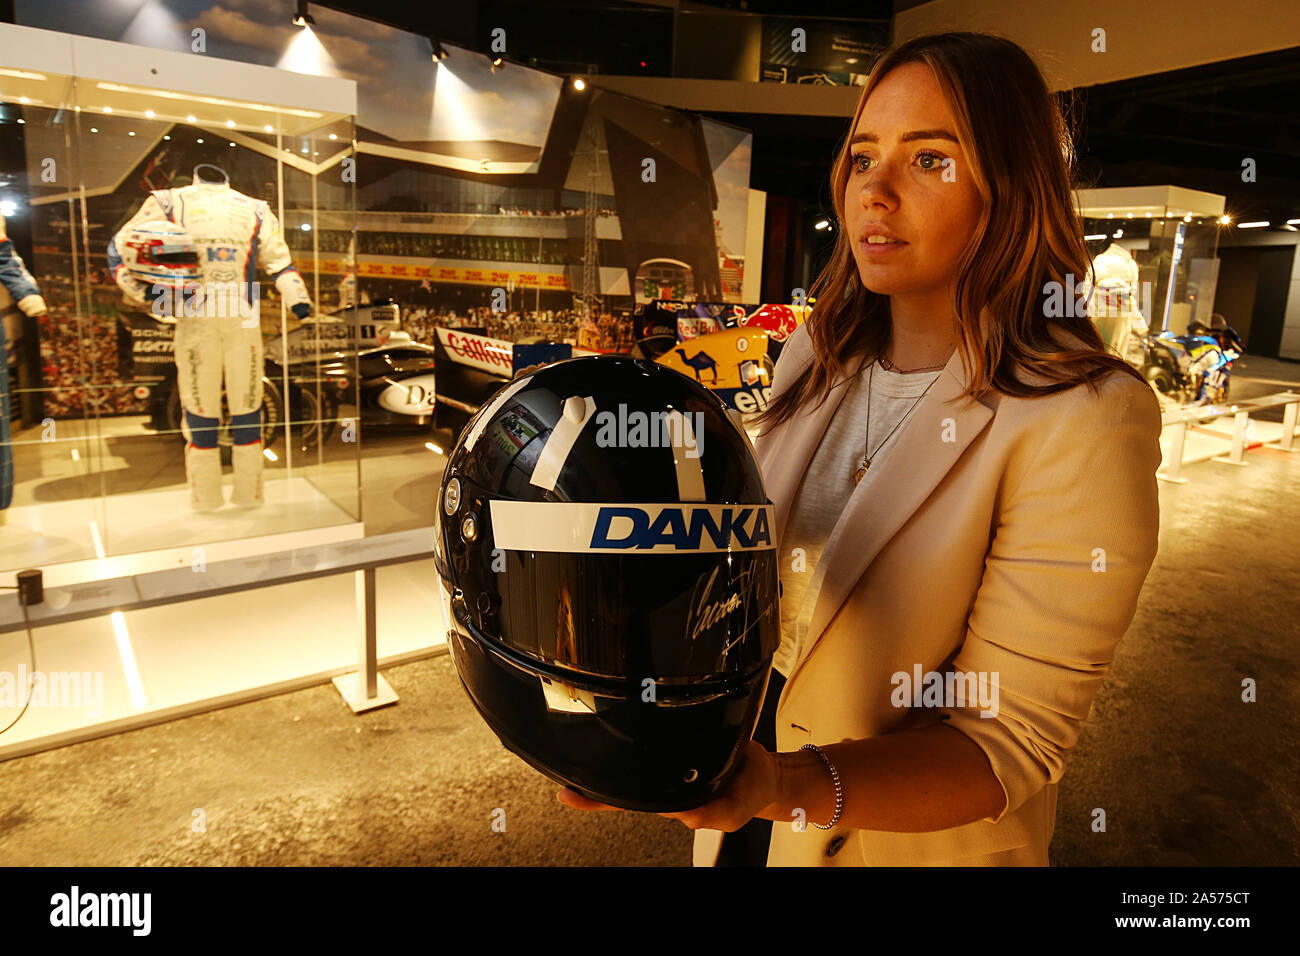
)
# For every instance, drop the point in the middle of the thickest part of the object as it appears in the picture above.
(174, 660)
(153, 530)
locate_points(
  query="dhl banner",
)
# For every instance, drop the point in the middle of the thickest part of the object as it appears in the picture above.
(394, 270)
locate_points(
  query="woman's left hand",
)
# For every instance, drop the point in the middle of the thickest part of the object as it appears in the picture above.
(754, 788)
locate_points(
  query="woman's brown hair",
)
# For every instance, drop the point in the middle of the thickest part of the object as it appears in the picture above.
(1029, 234)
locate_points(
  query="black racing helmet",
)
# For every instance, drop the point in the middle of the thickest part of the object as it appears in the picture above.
(608, 570)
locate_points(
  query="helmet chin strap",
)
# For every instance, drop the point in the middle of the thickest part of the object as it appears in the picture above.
(217, 176)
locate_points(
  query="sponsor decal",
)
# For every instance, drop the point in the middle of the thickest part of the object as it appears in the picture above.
(745, 400)
(586, 528)
(693, 326)
(410, 396)
(490, 355)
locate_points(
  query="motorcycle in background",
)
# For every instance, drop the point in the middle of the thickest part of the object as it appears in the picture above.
(1194, 368)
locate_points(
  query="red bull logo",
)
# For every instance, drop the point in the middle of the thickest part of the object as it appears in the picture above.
(778, 320)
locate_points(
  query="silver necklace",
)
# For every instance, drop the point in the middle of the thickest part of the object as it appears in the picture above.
(889, 366)
(866, 458)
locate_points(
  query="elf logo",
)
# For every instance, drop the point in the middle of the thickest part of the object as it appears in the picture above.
(637, 528)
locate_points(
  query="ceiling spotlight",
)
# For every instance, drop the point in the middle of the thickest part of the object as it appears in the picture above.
(302, 18)
(230, 123)
(108, 109)
(1225, 220)
(24, 99)
(438, 52)
(168, 136)
(199, 141)
(132, 133)
(306, 227)
(579, 84)
(1187, 218)
(232, 144)
(1118, 234)
(334, 136)
(190, 118)
(149, 113)
(94, 129)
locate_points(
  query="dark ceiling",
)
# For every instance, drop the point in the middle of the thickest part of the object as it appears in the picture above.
(1189, 128)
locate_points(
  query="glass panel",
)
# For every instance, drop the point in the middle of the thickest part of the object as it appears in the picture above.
(1176, 258)
(53, 514)
(256, 201)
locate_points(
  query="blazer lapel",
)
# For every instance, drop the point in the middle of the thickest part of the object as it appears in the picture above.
(940, 430)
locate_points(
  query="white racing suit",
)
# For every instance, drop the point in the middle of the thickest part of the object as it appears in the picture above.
(234, 234)
(1114, 305)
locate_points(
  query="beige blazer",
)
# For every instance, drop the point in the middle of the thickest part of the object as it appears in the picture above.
(1008, 536)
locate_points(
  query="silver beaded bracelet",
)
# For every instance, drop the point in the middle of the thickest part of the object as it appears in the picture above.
(839, 789)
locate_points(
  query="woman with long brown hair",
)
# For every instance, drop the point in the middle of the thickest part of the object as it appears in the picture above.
(964, 489)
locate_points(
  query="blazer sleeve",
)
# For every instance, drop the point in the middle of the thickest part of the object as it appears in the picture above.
(1076, 535)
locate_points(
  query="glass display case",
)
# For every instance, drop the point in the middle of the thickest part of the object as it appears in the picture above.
(1172, 234)
(248, 161)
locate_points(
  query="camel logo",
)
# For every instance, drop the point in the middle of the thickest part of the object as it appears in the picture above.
(699, 361)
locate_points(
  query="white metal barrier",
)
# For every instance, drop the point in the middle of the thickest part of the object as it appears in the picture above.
(1178, 421)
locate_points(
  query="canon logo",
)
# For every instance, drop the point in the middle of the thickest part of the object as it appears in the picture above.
(476, 348)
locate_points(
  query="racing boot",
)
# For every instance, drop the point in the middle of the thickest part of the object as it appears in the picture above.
(246, 458)
(203, 469)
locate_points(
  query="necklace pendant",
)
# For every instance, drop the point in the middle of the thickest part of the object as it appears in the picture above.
(862, 470)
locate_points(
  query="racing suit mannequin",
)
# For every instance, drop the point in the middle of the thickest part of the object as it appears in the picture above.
(19, 296)
(234, 234)
(1116, 314)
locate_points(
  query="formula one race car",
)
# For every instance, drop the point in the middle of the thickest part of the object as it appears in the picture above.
(724, 347)
(353, 358)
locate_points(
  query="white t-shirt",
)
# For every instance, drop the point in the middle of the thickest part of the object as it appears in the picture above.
(828, 485)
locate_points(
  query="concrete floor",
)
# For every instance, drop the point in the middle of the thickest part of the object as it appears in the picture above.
(1186, 772)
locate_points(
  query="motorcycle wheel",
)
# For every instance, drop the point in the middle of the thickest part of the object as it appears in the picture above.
(1160, 379)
